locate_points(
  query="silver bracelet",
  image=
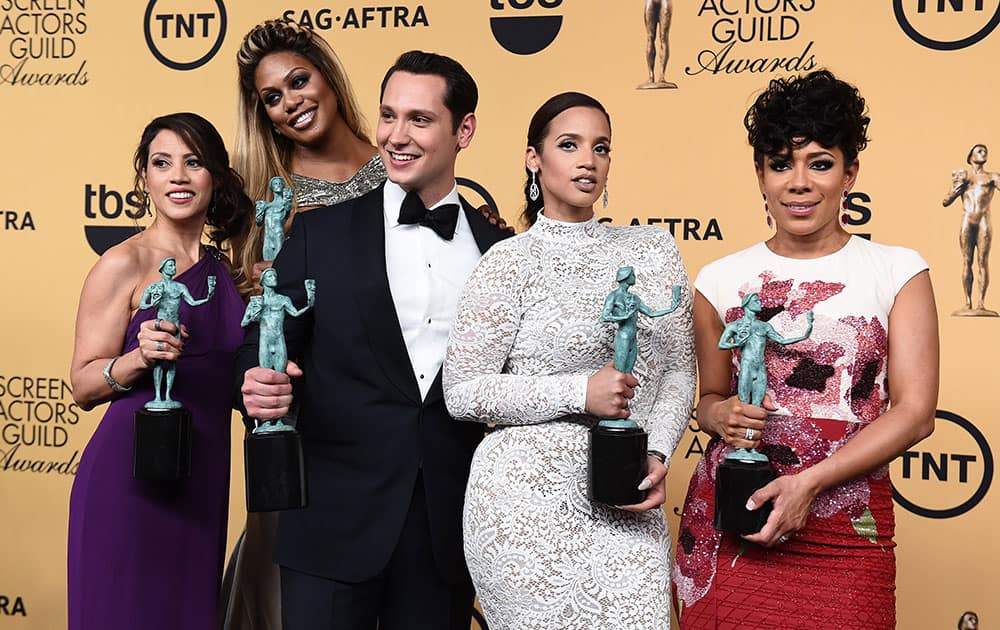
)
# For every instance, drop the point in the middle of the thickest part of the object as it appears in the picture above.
(112, 383)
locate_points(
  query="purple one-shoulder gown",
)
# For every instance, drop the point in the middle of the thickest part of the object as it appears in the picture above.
(146, 554)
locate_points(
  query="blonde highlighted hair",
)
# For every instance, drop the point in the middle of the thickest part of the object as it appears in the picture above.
(260, 154)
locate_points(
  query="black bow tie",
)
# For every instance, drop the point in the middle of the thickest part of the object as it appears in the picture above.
(442, 219)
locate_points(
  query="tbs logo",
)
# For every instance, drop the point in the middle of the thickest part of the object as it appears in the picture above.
(101, 202)
(184, 34)
(521, 33)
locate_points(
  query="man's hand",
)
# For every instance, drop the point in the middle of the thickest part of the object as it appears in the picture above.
(267, 394)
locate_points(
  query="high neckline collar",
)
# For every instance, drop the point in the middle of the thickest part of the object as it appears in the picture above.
(553, 228)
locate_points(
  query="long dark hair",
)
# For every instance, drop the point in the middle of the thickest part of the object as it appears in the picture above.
(275, 36)
(538, 130)
(230, 213)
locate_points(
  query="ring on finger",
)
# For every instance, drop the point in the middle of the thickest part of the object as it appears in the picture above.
(750, 434)
(156, 325)
(783, 539)
(159, 346)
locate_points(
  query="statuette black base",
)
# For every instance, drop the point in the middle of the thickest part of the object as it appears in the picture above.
(162, 447)
(735, 481)
(616, 465)
(275, 471)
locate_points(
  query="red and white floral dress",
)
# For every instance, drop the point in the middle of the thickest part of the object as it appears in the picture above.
(839, 571)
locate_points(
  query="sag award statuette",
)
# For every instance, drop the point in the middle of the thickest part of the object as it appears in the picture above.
(162, 448)
(744, 471)
(617, 448)
(275, 470)
(272, 215)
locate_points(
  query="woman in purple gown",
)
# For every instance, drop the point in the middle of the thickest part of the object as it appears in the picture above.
(150, 554)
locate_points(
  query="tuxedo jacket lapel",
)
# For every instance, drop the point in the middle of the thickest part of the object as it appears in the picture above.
(483, 231)
(373, 297)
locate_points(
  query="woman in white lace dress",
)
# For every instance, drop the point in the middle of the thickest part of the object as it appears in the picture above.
(528, 352)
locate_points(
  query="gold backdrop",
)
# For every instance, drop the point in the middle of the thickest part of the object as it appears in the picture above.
(79, 80)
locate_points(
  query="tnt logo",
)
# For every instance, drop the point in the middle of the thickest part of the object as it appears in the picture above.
(525, 27)
(947, 24)
(947, 474)
(101, 202)
(184, 34)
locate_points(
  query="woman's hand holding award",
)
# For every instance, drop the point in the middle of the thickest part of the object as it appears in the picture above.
(162, 448)
(744, 471)
(617, 448)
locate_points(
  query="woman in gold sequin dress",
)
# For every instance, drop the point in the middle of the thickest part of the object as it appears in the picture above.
(298, 119)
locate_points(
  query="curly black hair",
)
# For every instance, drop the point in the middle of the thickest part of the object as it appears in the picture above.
(798, 110)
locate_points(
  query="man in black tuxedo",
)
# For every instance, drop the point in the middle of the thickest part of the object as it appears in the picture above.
(380, 543)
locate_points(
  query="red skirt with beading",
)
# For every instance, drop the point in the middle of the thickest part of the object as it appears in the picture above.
(837, 572)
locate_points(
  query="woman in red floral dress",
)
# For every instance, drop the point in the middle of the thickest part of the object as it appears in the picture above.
(825, 557)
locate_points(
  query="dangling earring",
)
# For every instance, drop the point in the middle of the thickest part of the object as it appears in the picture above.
(147, 205)
(767, 211)
(274, 130)
(844, 218)
(533, 192)
(605, 194)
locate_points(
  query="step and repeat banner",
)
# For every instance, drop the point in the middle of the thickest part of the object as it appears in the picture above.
(80, 78)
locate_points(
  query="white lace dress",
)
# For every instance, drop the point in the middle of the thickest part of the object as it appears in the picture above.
(527, 336)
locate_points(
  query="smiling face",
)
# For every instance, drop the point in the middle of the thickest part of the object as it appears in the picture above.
(178, 183)
(804, 189)
(296, 97)
(416, 137)
(573, 164)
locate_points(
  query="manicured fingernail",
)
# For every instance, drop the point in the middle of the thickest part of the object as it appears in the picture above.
(751, 505)
(646, 484)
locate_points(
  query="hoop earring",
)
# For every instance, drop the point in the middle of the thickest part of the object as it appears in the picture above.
(533, 191)
(844, 217)
(605, 194)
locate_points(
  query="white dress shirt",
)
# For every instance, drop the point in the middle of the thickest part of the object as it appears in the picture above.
(426, 277)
